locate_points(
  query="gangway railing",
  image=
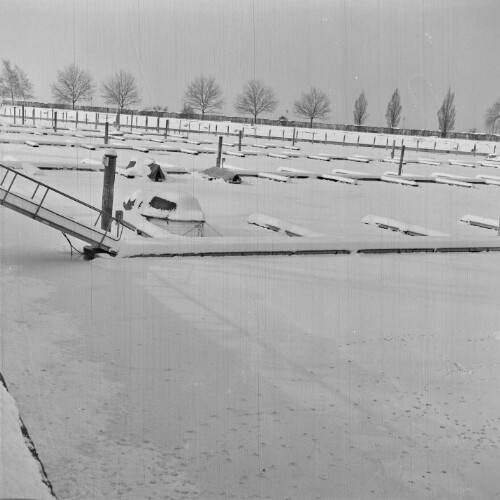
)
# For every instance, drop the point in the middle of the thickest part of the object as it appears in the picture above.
(51, 206)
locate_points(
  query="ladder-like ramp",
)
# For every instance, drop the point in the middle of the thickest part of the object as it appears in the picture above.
(48, 205)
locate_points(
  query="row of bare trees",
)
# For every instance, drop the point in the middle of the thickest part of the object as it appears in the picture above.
(204, 95)
(74, 84)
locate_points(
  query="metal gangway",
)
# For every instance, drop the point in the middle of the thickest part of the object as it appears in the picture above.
(51, 207)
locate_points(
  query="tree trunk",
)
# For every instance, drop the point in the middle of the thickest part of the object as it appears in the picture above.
(117, 119)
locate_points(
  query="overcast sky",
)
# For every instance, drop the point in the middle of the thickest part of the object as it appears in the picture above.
(339, 46)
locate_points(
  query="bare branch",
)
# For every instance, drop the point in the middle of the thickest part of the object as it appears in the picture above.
(9, 81)
(255, 99)
(492, 118)
(446, 114)
(360, 107)
(312, 105)
(394, 108)
(73, 84)
(25, 86)
(204, 94)
(121, 89)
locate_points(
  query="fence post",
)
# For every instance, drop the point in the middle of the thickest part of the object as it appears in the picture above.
(76, 121)
(22, 113)
(55, 121)
(109, 161)
(106, 132)
(240, 135)
(166, 129)
(393, 148)
(157, 124)
(293, 138)
(33, 114)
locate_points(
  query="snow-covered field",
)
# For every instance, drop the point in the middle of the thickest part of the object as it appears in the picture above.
(347, 376)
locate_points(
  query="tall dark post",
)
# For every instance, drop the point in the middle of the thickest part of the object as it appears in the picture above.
(106, 132)
(96, 119)
(293, 137)
(166, 128)
(22, 114)
(131, 121)
(109, 161)
(219, 153)
(55, 121)
(33, 115)
(76, 120)
(146, 123)
(14, 116)
(240, 135)
(157, 124)
(393, 148)
(400, 169)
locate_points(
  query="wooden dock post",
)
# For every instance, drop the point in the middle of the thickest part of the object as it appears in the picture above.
(400, 169)
(109, 161)
(219, 153)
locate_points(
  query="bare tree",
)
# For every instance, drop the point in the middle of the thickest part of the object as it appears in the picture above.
(121, 90)
(312, 104)
(446, 114)
(255, 99)
(72, 85)
(25, 86)
(204, 94)
(492, 118)
(394, 108)
(9, 81)
(360, 107)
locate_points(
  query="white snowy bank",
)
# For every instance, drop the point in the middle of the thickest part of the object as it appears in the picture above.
(20, 472)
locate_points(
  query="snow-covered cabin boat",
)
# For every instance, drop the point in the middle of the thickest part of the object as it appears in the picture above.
(176, 212)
